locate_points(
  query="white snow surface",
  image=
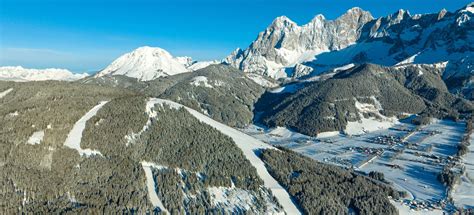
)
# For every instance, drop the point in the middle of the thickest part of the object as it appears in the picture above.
(290, 88)
(36, 138)
(74, 137)
(370, 124)
(260, 80)
(409, 60)
(249, 146)
(405, 210)
(201, 81)
(416, 175)
(4, 93)
(463, 194)
(345, 67)
(146, 63)
(202, 64)
(469, 8)
(20, 74)
(231, 198)
(150, 184)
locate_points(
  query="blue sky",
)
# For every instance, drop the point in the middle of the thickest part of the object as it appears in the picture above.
(86, 35)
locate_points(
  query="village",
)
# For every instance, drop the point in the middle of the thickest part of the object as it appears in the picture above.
(409, 157)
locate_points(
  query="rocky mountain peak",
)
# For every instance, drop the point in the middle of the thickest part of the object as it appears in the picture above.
(357, 13)
(282, 22)
(442, 13)
(399, 16)
(469, 8)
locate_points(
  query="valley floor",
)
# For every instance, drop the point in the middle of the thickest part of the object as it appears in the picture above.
(409, 157)
(463, 194)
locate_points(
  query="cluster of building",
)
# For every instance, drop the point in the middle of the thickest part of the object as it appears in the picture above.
(366, 150)
(425, 205)
(389, 140)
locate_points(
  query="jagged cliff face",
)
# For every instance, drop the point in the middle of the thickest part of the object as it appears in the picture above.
(285, 44)
(428, 38)
(356, 37)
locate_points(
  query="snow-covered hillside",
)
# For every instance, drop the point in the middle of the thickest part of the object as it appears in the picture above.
(148, 63)
(249, 146)
(20, 74)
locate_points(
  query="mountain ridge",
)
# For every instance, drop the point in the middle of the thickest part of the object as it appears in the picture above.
(20, 74)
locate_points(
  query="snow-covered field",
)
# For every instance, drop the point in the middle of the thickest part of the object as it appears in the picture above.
(150, 184)
(404, 210)
(463, 194)
(74, 137)
(412, 168)
(249, 147)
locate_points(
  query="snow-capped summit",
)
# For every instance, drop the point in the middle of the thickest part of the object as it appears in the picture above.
(468, 9)
(283, 45)
(287, 50)
(282, 22)
(148, 63)
(20, 74)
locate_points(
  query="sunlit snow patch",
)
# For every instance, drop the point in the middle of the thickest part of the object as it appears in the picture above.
(36, 138)
(201, 81)
(231, 199)
(370, 124)
(74, 137)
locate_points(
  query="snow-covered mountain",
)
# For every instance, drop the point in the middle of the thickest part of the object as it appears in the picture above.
(285, 45)
(20, 74)
(285, 49)
(148, 63)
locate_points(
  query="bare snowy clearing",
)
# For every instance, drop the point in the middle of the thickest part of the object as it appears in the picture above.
(74, 137)
(201, 81)
(231, 199)
(150, 184)
(365, 125)
(36, 138)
